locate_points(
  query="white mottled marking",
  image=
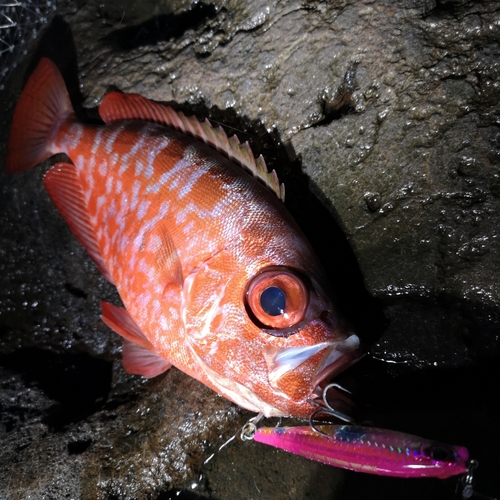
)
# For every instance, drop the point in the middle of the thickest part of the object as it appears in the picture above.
(138, 168)
(135, 195)
(186, 212)
(111, 212)
(110, 142)
(177, 169)
(148, 225)
(100, 202)
(135, 148)
(153, 153)
(164, 323)
(123, 203)
(97, 141)
(109, 184)
(191, 181)
(80, 162)
(75, 133)
(123, 168)
(103, 167)
(149, 171)
(143, 208)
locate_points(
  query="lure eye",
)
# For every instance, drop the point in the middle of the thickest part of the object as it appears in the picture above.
(439, 453)
(277, 298)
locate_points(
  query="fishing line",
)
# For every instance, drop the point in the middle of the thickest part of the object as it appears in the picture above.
(249, 425)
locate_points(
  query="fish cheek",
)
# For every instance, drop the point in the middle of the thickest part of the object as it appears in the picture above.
(217, 322)
(297, 384)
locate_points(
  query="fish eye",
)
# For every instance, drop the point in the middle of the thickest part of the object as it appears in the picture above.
(276, 298)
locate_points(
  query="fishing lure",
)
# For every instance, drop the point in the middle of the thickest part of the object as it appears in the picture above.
(367, 449)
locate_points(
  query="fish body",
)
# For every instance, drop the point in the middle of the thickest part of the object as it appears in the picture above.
(371, 450)
(215, 276)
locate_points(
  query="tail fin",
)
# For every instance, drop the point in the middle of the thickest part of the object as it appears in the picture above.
(44, 104)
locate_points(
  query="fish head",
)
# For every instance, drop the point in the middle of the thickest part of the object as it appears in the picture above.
(266, 335)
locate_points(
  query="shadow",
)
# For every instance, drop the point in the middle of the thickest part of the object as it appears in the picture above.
(182, 494)
(57, 44)
(455, 406)
(78, 383)
(442, 330)
(160, 28)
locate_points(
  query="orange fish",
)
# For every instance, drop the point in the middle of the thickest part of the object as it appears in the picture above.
(215, 276)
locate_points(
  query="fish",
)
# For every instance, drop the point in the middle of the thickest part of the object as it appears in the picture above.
(368, 449)
(215, 276)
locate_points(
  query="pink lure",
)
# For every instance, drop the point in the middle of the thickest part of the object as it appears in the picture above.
(367, 449)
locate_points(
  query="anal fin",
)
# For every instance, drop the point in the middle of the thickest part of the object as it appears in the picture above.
(63, 185)
(139, 357)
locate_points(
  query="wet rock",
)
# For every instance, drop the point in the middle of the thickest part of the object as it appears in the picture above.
(385, 112)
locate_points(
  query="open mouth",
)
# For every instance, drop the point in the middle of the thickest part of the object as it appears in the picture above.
(341, 357)
(335, 358)
(333, 400)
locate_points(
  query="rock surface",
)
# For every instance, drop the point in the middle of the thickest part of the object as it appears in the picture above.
(388, 113)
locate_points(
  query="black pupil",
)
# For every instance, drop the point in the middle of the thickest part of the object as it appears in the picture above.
(273, 301)
(439, 454)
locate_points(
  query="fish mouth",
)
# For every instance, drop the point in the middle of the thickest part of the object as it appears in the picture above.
(335, 357)
(339, 358)
(332, 399)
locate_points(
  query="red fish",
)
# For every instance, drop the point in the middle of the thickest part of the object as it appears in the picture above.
(215, 276)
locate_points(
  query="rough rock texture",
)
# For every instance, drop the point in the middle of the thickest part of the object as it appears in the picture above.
(388, 114)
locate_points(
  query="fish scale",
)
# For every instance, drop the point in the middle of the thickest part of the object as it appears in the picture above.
(190, 240)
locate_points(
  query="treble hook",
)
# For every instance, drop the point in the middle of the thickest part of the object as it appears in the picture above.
(467, 483)
(327, 409)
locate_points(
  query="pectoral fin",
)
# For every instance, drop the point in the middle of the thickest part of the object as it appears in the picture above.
(140, 361)
(139, 357)
(120, 321)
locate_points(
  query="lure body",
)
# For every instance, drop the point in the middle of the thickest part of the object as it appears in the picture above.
(215, 276)
(366, 449)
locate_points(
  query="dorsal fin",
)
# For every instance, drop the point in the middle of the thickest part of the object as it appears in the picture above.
(118, 106)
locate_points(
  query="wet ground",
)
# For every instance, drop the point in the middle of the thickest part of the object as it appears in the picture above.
(397, 149)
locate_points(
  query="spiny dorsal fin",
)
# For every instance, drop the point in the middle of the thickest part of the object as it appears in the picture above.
(118, 106)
